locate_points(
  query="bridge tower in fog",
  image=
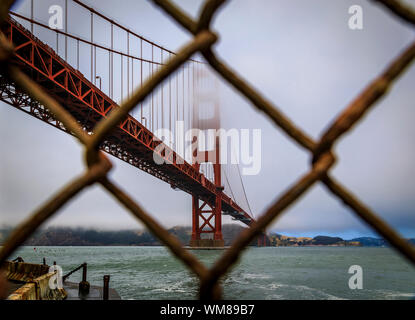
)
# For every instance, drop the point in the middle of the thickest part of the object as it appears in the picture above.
(207, 212)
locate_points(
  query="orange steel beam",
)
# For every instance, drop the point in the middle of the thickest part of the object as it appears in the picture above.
(130, 141)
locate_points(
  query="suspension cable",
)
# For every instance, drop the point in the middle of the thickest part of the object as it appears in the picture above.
(230, 188)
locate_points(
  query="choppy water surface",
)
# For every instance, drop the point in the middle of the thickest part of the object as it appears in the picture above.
(262, 273)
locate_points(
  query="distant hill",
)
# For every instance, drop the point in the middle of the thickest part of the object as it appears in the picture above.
(281, 240)
(371, 242)
(324, 240)
(62, 236)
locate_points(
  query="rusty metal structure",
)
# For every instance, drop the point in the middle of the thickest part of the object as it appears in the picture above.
(31, 281)
(98, 165)
(84, 286)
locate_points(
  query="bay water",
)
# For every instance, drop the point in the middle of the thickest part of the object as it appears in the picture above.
(261, 273)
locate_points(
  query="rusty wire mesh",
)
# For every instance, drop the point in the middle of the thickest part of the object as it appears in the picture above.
(98, 166)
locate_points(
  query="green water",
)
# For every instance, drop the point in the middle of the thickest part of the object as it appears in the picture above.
(262, 273)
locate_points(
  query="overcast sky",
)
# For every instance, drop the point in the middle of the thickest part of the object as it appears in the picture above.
(302, 56)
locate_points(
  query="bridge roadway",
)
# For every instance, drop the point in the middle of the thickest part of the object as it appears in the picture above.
(130, 141)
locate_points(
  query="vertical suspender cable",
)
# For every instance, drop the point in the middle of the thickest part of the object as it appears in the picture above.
(230, 188)
(176, 138)
(243, 188)
(150, 102)
(152, 92)
(183, 104)
(132, 75)
(183, 73)
(141, 74)
(128, 65)
(77, 54)
(122, 78)
(92, 49)
(170, 118)
(194, 95)
(31, 16)
(156, 109)
(162, 91)
(112, 63)
(156, 106)
(189, 109)
(95, 65)
(66, 30)
(198, 96)
(109, 74)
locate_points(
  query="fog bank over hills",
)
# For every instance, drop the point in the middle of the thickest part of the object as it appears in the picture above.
(65, 236)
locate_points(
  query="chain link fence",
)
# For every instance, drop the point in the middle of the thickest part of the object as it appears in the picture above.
(323, 158)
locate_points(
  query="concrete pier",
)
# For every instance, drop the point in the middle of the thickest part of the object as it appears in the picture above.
(95, 292)
(207, 243)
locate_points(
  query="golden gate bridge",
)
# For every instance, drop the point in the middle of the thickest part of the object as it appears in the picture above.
(88, 76)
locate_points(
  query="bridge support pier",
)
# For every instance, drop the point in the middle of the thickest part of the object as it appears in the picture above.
(206, 223)
(262, 240)
(207, 215)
